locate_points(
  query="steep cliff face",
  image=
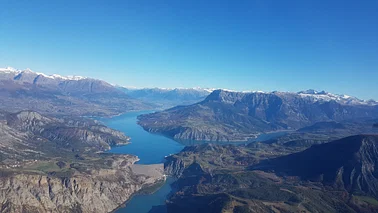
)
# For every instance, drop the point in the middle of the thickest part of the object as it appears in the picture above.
(174, 166)
(101, 190)
(33, 193)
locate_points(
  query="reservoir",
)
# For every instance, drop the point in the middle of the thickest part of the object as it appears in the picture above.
(151, 149)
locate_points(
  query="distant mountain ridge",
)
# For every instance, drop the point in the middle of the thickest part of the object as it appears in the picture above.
(18, 73)
(237, 116)
(313, 95)
(170, 97)
(326, 96)
(55, 94)
(64, 83)
(165, 98)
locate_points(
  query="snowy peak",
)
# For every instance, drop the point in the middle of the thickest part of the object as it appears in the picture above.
(326, 96)
(313, 92)
(309, 95)
(56, 83)
(69, 77)
(16, 72)
(209, 90)
(8, 70)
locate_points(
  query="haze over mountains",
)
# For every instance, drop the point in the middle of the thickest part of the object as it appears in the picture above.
(166, 98)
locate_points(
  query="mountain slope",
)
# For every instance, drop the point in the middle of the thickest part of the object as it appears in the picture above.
(28, 90)
(232, 116)
(30, 135)
(218, 178)
(350, 163)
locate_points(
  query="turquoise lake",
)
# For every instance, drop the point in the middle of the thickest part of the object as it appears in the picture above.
(151, 149)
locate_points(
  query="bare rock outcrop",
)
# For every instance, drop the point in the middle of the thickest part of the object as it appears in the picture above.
(100, 190)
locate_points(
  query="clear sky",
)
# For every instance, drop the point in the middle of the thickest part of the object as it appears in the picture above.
(265, 45)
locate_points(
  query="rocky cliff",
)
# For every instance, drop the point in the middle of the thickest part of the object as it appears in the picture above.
(174, 166)
(100, 190)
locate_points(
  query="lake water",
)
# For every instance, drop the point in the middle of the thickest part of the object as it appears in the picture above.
(151, 149)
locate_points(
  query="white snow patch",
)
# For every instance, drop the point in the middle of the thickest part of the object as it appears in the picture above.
(14, 71)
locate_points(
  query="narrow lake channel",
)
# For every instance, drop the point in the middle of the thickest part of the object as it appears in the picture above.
(151, 149)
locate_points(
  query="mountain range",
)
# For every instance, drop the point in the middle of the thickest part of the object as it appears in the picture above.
(55, 94)
(52, 156)
(165, 98)
(237, 116)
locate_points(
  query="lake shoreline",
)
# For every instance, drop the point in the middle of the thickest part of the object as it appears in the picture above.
(158, 185)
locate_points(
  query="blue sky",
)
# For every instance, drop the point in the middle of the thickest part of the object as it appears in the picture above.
(243, 45)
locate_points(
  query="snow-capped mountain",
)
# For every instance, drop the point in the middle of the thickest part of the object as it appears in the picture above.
(15, 72)
(162, 97)
(320, 96)
(26, 89)
(226, 116)
(185, 96)
(71, 84)
(326, 96)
